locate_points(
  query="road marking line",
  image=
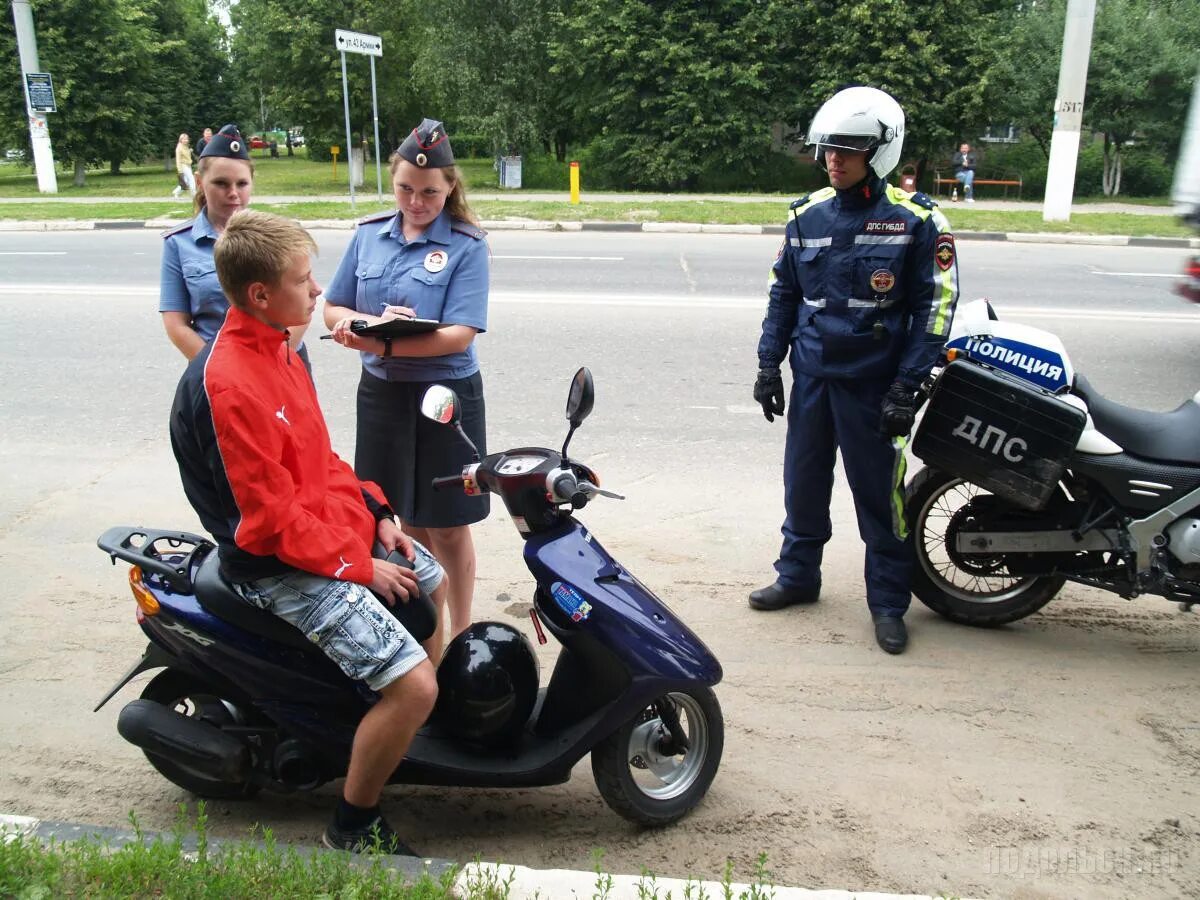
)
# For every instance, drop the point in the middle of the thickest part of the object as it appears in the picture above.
(556, 258)
(33, 252)
(1141, 274)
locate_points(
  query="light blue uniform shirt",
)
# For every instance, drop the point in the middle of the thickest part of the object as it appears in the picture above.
(442, 275)
(188, 283)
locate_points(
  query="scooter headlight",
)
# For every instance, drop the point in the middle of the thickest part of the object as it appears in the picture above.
(145, 598)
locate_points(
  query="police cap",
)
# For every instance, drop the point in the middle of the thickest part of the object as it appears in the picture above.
(226, 142)
(428, 146)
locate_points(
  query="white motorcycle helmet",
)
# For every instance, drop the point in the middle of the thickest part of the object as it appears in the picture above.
(860, 118)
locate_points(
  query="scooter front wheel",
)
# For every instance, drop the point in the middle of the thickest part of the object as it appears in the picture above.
(192, 697)
(642, 770)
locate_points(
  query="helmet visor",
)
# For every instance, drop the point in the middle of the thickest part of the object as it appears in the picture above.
(858, 142)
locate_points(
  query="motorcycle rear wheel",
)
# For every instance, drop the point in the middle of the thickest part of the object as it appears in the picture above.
(638, 772)
(190, 696)
(968, 590)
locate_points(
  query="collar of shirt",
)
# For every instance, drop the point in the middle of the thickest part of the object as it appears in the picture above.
(437, 231)
(252, 332)
(202, 228)
(866, 193)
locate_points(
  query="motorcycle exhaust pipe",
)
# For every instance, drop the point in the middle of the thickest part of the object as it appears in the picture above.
(197, 746)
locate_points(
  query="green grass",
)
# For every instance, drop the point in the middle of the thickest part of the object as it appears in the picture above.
(703, 211)
(300, 178)
(183, 864)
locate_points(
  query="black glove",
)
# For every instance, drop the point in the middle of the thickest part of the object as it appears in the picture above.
(898, 411)
(768, 392)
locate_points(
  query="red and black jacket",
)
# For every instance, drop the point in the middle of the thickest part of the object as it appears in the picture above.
(256, 462)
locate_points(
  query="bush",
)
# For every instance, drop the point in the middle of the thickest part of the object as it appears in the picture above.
(471, 146)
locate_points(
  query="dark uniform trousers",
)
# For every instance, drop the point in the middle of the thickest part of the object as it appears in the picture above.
(823, 415)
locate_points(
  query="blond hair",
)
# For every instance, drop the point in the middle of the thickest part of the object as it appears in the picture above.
(456, 200)
(257, 247)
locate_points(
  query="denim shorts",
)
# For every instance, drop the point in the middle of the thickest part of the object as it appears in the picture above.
(346, 620)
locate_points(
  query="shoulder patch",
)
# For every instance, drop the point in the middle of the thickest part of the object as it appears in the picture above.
(923, 200)
(177, 229)
(468, 229)
(376, 217)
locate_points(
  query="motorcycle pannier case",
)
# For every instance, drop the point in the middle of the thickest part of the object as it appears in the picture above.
(1003, 434)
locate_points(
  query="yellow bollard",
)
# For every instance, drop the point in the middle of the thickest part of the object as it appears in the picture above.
(574, 182)
(334, 151)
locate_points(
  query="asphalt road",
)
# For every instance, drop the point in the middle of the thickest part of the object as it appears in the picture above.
(668, 324)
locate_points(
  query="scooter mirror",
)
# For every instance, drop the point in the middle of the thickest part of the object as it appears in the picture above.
(440, 404)
(580, 398)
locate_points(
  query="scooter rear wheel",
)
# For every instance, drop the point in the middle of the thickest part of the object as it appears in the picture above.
(190, 696)
(640, 772)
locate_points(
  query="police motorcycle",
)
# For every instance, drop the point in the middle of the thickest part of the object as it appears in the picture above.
(244, 701)
(1033, 479)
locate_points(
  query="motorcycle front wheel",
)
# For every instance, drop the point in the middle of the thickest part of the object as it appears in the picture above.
(192, 697)
(645, 775)
(969, 589)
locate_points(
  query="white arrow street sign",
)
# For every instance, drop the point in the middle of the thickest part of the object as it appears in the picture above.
(354, 42)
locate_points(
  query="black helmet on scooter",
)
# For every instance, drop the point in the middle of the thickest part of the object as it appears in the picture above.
(487, 683)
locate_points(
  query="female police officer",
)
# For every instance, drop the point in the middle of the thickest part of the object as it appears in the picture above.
(861, 298)
(190, 298)
(428, 259)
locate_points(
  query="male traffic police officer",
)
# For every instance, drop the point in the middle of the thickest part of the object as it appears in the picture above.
(862, 292)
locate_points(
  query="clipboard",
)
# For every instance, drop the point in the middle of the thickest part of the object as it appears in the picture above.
(395, 328)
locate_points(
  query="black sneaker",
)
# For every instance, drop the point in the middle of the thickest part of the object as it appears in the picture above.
(376, 836)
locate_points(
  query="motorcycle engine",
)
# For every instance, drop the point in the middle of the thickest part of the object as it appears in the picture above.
(1185, 541)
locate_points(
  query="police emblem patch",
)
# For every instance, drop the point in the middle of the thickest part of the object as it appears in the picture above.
(943, 252)
(435, 261)
(882, 281)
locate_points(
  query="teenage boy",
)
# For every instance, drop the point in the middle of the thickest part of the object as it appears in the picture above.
(293, 524)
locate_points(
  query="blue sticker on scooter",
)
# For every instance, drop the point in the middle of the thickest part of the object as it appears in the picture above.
(570, 601)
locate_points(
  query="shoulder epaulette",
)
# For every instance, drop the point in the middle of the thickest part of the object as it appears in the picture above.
(923, 200)
(796, 204)
(177, 229)
(468, 229)
(376, 217)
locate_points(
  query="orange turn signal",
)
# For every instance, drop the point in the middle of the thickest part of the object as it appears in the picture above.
(952, 354)
(145, 598)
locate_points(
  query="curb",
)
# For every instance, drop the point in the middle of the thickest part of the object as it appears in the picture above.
(631, 227)
(523, 883)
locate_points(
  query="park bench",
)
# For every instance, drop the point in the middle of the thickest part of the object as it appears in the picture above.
(951, 182)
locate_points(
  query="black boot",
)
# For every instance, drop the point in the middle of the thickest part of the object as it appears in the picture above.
(777, 596)
(891, 633)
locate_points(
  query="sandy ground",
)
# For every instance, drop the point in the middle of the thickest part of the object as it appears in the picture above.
(1054, 758)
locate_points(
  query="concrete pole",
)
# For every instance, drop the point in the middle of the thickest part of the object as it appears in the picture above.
(349, 146)
(1068, 110)
(39, 129)
(375, 113)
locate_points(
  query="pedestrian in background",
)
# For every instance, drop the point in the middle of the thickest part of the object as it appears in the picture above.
(203, 142)
(862, 293)
(190, 298)
(183, 169)
(964, 170)
(429, 260)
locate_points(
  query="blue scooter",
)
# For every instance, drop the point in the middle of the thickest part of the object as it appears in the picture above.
(244, 701)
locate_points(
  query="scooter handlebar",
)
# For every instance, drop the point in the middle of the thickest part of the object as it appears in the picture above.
(447, 481)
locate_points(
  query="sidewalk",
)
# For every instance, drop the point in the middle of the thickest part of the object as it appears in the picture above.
(526, 883)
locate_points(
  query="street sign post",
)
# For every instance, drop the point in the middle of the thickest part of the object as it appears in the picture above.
(367, 45)
(39, 88)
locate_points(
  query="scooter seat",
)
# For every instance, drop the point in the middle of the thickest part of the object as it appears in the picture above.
(1164, 436)
(217, 595)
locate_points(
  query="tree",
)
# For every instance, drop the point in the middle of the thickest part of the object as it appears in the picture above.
(934, 57)
(668, 89)
(487, 62)
(1141, 64)
(128, 75)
